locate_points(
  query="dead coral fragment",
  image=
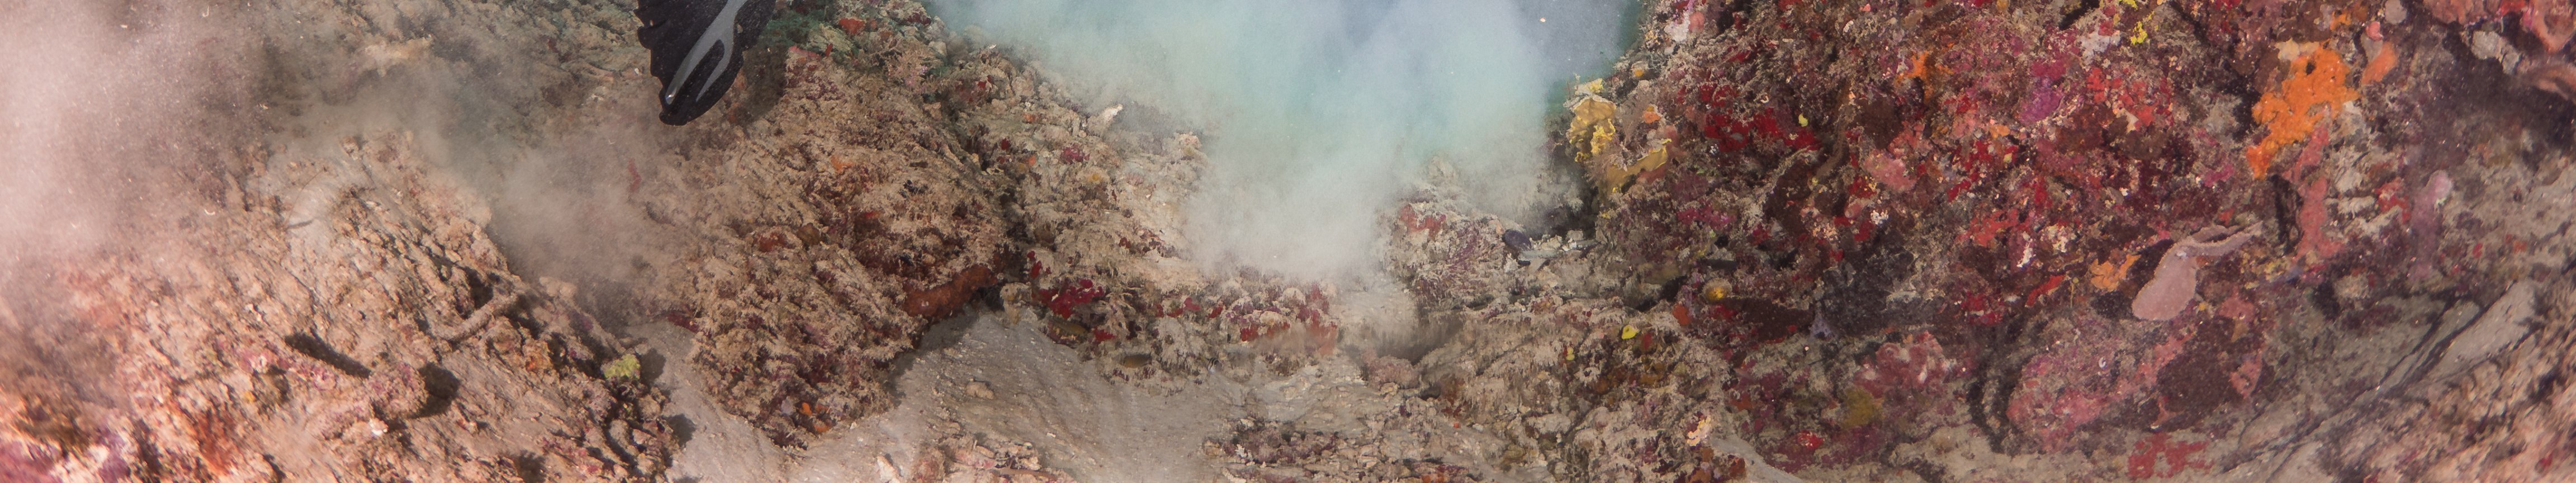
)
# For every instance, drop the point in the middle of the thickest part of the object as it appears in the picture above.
(2177, 278)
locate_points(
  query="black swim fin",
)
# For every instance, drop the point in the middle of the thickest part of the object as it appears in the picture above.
(697, 48)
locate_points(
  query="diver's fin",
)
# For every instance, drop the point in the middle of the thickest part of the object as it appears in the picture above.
(697, 49)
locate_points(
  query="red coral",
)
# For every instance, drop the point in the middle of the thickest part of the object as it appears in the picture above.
(1063, 299)
(2159, 457)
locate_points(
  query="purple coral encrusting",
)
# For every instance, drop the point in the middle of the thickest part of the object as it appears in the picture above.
(2177, 279)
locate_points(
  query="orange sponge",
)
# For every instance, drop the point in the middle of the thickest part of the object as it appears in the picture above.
(2317, 83)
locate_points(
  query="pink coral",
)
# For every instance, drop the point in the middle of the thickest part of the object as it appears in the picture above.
(2081, 381)
(2425, 220)
(1914, 363)
(1889, 170)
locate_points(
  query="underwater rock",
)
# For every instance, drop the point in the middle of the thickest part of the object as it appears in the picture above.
(2500, 326)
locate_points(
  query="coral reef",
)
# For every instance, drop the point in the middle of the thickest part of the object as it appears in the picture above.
(1848, 240)
(1825, 240)
(2005, 182)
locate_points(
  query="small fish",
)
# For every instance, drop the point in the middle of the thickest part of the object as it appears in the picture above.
(697, 48)
(1517, 241)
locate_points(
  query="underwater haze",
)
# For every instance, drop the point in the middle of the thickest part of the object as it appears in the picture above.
(1318, 115)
